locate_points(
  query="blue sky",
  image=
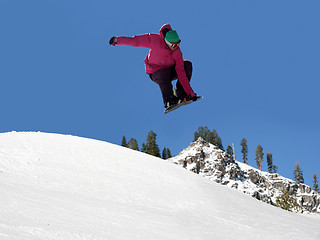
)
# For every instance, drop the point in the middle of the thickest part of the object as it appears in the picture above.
(255, 62)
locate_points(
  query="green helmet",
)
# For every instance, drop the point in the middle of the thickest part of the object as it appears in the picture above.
(172, 36)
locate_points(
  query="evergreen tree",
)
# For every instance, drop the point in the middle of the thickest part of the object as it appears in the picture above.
(169, 155)
(244, 150)
(270, 162)
(166, 154)
(315, 183)
(200, 133)
(259, 156)
(144, 148)
(133, 144)
(216, 139)
(203, 132)
(207, 135)
(230, 153)
(151, 145)
(287, 202)
(298, 175)
(274, 169)
(124, 142)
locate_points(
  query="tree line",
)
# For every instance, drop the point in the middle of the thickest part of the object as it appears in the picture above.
(259, 156)
(297, 173)
(151, 147)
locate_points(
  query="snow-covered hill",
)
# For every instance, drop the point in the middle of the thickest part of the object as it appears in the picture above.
(213, 163)
(58, 187)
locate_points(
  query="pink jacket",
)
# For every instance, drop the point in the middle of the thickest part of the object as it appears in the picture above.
(160, 55)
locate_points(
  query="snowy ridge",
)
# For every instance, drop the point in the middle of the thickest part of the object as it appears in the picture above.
(213, 163)
(58, 187)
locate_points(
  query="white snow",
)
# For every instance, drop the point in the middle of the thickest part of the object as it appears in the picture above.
(59, 187)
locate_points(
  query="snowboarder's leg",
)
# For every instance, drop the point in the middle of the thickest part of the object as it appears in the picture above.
(180, 93)
(163, 78)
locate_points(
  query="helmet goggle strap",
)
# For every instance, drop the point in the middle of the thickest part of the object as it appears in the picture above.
(173, 45)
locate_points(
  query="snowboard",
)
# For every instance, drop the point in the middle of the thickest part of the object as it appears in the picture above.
(176, 106)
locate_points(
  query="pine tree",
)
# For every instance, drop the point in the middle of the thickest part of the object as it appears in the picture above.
(271, 167)
(151, 145)
(259, 156)
(270, 162)
(166, 154)
(169, 155)
(287, 202)
(207, 135)
(315, 183)
(124, 142)
(298, 175)
(203, 132)
(144, 148)
(274, 169)
(217, 140)
(133, 144)
(230, 153)
(244, 150)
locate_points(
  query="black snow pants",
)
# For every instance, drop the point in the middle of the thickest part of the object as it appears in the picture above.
(165, 76)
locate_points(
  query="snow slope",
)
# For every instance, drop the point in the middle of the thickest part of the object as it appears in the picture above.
(64, 187)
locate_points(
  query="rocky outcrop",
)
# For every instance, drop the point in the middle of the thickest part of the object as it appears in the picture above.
(213, 163)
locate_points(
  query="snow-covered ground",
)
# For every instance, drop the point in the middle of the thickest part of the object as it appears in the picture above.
(59, 187)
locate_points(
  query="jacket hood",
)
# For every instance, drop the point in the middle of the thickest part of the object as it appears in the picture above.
(164, 29)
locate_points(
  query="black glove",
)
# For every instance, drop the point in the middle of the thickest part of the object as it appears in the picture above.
(113, 41)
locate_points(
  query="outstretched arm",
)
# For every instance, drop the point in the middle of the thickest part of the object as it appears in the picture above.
(135, 41)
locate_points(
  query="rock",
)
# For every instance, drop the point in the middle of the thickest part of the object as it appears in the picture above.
(278, 185)
(262, 197)
(219, 174)
(213, 163)
(311, 203)
(225, 182)
(189, 160)
(221, 168)
(234, 173)
(235, 185)
(253, 176)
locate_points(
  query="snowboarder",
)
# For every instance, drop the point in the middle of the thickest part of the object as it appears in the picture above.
(164, 63)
